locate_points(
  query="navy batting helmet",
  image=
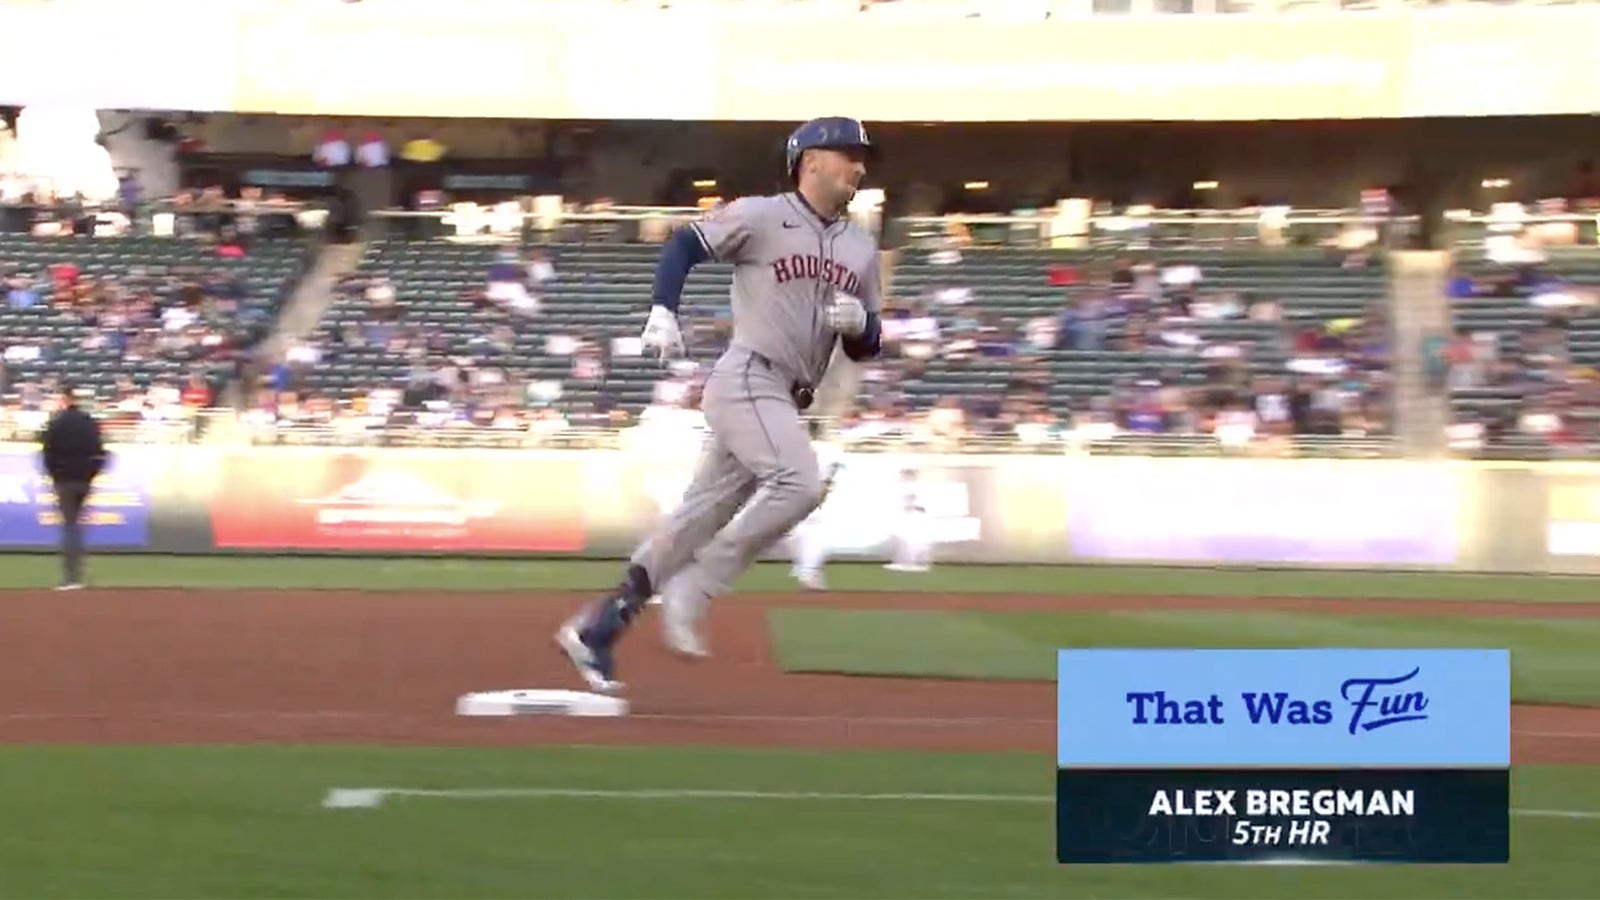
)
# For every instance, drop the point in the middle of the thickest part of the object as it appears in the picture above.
(831, 131)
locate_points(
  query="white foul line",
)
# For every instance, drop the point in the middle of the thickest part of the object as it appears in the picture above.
(864, 720)
(368, 798)
(355, 798)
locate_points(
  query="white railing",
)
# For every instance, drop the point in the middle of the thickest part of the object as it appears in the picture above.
(170, 431)
(1137, 227)
(223, 427)
(535, 219)
(615, 438)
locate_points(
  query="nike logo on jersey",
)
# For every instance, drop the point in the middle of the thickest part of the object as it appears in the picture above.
(788, 224)
(807, 265)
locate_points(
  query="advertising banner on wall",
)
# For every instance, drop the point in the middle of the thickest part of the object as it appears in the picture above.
(877, 498)
(867, 507)
(399, 501)
(1012, 508)
(1264, 511)
(1572, 526)
(1558, 529)
(117, 514)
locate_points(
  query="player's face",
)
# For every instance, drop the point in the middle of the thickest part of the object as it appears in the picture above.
(840, 171)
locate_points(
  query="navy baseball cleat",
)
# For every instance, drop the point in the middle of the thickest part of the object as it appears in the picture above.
(593, 661)
(587, 638)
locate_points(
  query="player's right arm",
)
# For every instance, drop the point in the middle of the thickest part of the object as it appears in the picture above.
(869, 343)
(723, 236)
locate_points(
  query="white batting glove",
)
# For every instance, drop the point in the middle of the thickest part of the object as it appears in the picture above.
(661, 332)
(847, 315)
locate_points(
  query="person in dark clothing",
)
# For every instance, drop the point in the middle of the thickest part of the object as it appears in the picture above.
(74, 454)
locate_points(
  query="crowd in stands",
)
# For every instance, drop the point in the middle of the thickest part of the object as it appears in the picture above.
(1275, 376)
(448, 383)
(1534, 381)
(1333, 384)
(1284, 376)
(149, 327)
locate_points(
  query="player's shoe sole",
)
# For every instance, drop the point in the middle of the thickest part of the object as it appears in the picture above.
(811, 581)
(684, 642)
(680, 626)
(593, 665)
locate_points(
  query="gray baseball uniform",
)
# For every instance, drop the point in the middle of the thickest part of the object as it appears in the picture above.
(788, 264)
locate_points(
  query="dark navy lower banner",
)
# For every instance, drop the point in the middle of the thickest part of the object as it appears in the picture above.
(1267, 815)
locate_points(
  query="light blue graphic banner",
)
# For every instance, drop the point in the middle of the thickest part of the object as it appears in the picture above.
(1288, 708)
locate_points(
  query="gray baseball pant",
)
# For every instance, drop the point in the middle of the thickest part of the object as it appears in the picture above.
(758, 453)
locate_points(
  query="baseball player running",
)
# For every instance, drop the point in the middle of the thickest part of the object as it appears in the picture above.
(805, 277)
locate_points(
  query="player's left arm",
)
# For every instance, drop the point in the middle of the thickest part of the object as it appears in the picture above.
(869, 342)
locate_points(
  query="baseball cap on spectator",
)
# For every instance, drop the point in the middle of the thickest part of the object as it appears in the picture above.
(1062, 276)
(64, 275)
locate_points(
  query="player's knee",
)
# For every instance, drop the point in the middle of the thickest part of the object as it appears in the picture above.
(812, 488)
(801, 487)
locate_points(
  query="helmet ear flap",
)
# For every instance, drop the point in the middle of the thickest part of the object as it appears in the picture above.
(796, 161)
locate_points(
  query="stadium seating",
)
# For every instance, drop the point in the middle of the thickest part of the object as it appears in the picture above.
(1513, 314)
(1310, 287)
(599, 292)
(600, 288)
(61, 334)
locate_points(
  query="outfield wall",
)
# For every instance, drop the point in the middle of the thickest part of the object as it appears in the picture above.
(1513, 517)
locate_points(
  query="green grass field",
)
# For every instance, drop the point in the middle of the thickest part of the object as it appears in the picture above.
(249, 821)
(402, 574)
(237, 822)
(1553, 660)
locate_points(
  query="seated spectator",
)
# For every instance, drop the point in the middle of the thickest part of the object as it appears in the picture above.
(912, 332)
(1273, 406)
(1062, 276)
(1083, 323)
(1235, 426)
(1040, 426)
(197, 393)
(1265, 310)
(1095, 422)
(1539, 419)
(540, 269)
(1461, 286)
(380, 295)
(508, 284)
(947, 420)
(995, 339)
(547, 422)
(1145, 414)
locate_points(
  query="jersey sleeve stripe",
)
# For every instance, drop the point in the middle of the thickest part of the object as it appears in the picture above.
(703, 242)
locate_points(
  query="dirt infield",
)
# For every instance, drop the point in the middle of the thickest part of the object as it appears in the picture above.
(147, 666)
